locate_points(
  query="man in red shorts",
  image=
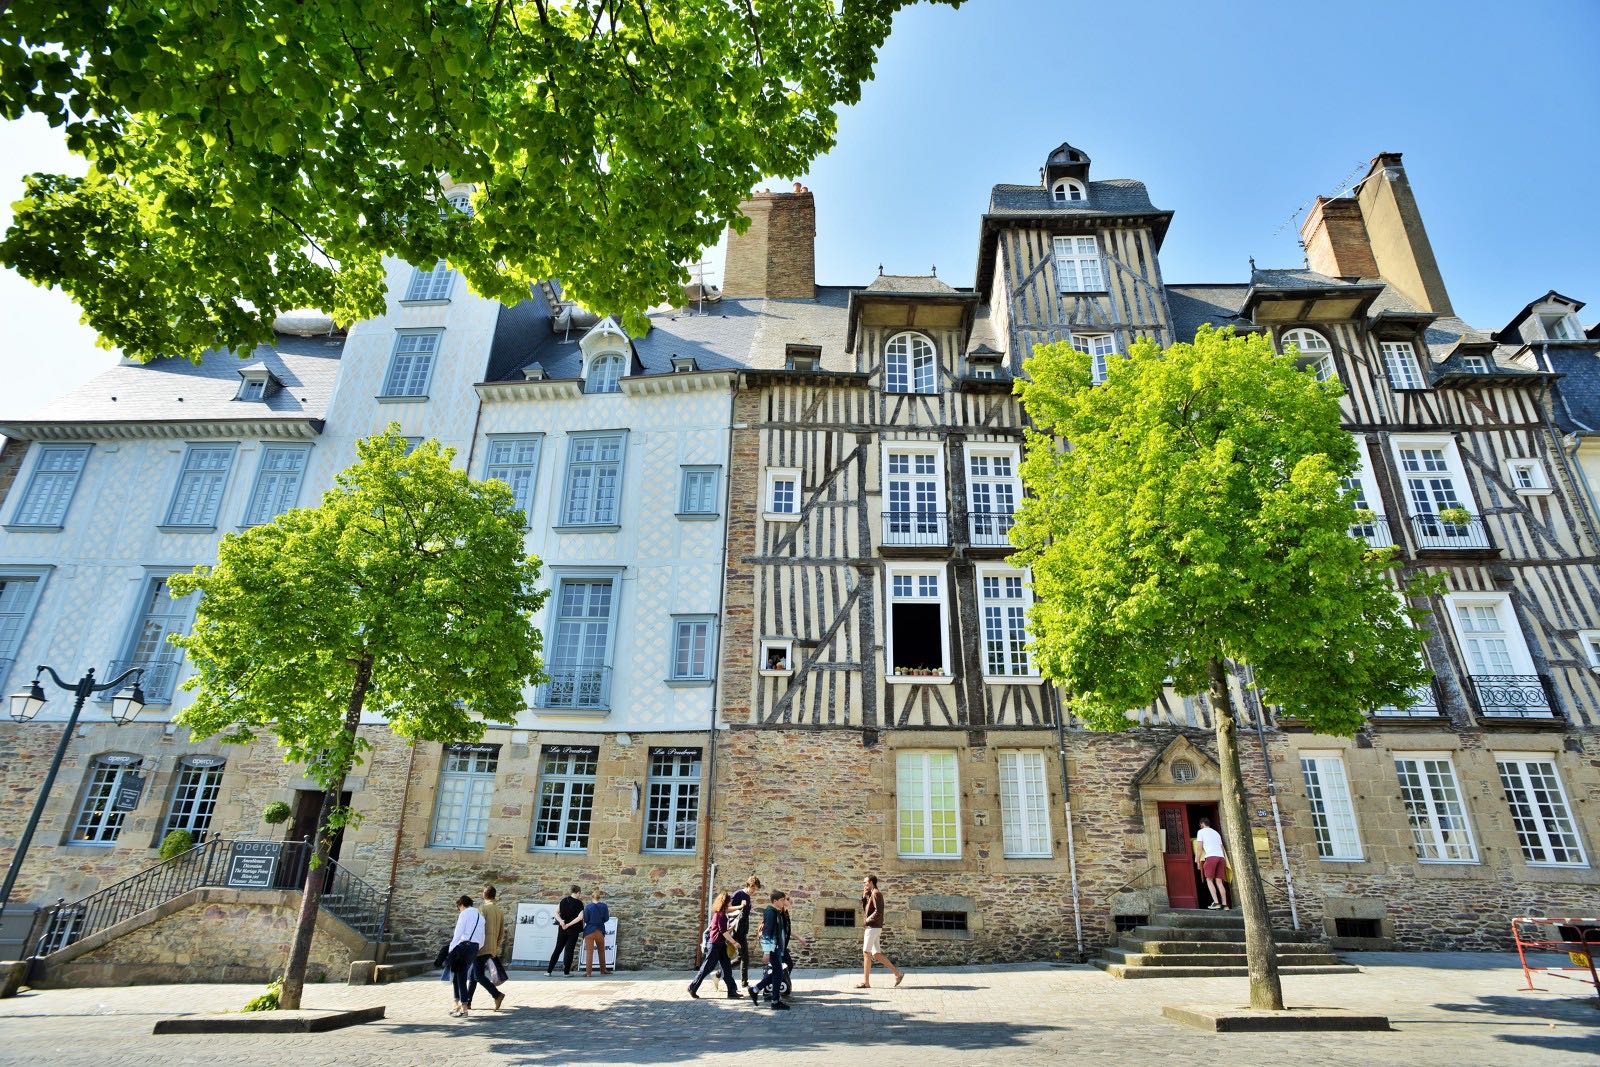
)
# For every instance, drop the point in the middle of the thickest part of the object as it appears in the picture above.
(1214, 865)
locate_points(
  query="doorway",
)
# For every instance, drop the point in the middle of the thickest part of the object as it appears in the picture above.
(1180, 821)
(307, 816)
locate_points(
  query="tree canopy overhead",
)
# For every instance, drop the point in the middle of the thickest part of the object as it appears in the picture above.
(247, 159)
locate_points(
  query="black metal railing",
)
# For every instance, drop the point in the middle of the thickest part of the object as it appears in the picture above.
(1374, 531)
(1431, 531)
(1512, 696)
(991, 529)
(361, 905)
(1424, 706)
(158, 680)
(915, 528)
(576, 687)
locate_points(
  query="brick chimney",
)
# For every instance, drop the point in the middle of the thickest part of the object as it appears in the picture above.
(776, 256)
(1336, 239)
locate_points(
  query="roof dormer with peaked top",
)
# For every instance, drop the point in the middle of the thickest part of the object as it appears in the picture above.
(1552, 319)
(1066, 174)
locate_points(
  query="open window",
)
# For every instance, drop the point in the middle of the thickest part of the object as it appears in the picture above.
(919, 626)
(1313, 350)
(777, 657)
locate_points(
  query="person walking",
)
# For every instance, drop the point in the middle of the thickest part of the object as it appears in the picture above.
(488, 961)
(774, 947)
(718, 938)
(569, 928)
(595, 917)
(1214, 866)
(463, 951)
(740, 905)
(872, 935)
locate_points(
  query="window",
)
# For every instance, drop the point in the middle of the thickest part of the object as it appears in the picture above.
(1003, 604)
(1333, 817)
(201, 482)
(594, 479)
(928, 805)
(984, 370)
(1098, 347)
(1475, 365)
(1484, 627)
(1024, 805)
(1067, 191)
(672, 817)
(917, 626)
(1539, 810)
(692, 651)
(1432, 476)
(1527, 476)
(430, 286)
(100, 817)
(159, 616)
(19, 595)
(580, 651)
(605, 375)
(515, 461)
(777, 657)
(277, 487)
(461, 201)
(1364, 494)
(1363, 928)
(411, 365)
(698, 495)
(1558, 326)
(914, 490)
(194, 796)
(1314, 350)
(1400, 362)
(944, 920)
(466, 786)
(1434, 806)
(783, 494)
(909, 365)
(412, 444)
(51, 485)
(993, 491)
(841, 918)
(566, 798)
(1591, 645)
(253, 389)
(1078, 265)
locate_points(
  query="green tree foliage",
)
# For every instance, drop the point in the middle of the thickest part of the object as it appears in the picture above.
(252, 158)
(405, 594)
(1187, 518)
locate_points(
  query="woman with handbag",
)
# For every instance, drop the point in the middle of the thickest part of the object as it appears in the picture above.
(718, 939)
(464, 943)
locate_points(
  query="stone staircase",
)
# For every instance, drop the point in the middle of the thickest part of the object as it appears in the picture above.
(407, 954)
(1208, 944)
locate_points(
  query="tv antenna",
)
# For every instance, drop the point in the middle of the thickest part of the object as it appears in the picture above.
(1349, 180)
(698, 272)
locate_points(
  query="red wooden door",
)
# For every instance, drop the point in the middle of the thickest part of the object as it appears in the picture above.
(1178, 856)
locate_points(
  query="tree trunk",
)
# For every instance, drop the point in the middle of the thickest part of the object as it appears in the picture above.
(1266, 991)
(294, 972)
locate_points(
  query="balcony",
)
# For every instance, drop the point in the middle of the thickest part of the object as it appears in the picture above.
(583, 688)
(1375, 531)
(991, 529)
(158, 681)
(915, 529)
(1426, 705)
(1433, 533)
(1512, 696)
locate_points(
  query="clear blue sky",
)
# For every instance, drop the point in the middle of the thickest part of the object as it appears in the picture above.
(1234, 113)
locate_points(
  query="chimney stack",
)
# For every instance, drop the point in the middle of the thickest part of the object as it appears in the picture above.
(1336, 239)
(776, 256)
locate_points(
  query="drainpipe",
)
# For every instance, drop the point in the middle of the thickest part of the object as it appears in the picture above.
(1272, 792)
(1066, 811)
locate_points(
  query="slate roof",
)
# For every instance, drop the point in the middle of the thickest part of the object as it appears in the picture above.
(1115, 196)
(1195, 305)
(1577, 393)
(916, 284)
(821, 322)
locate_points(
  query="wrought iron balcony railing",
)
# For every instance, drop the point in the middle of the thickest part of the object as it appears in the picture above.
(1425, 706)
(991, 529)
(915, 529)
(1512, 696)
(577, 687)
(1431, 531)
(1374, 531)
(159, 680)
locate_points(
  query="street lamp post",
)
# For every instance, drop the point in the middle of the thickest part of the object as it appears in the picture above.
(25, 705)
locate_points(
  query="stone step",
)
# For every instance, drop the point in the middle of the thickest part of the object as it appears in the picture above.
(1117, 970)
(1186, 918)
(1152, 932)
(395, 972)
(407, 954)
(1200, 959)
(1222, 948)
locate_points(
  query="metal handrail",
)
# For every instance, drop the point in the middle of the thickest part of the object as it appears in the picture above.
(1129, 883)
(1512, 696)
(587, 686)
(990, 529)
(1375, 530)
(1431, 531)
(910, 527)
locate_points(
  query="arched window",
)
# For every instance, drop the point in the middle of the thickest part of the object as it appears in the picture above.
(461, 201)
(1067, 190)
(910, 366)
(1315, 352)
(604, 375)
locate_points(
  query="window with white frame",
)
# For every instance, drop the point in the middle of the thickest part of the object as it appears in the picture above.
(1434, 807)
(1003, 605)
(580, 646)
(1590, 639)
(461, 201)
(1078, 268)
(1475, 365)
(698, 493)
(594, 479)
(928, 803)
(1559, 326)
(1486, 629)
(1067, 191)
(1024, 805)
(984, 370)
(783, 493)
(910, 365)
(201, 483)
(566, 798)
(993, 491)
(1434, 484)
(1400, 363)
(98, 820)
(1333, 816)
(1546, 829)
(411, 364)
(51, 485)
(1314, 351)
(672, 811)
(918, 625)
(278, 479)
(194, 796)
(1098, 347)
(19, 595)
(1364, 493)
(515, 461)
(412, 444)
(1527, 476)
(605, 374)
(466, 789)
(252, 389)
(430, 286)
(159, 616)
(913, 489)
(692, 648)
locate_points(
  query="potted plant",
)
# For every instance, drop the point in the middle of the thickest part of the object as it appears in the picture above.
(275, 813)
(1457, 516)
(176, 843)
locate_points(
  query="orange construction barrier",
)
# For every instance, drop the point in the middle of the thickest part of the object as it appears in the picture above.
(1578, 938)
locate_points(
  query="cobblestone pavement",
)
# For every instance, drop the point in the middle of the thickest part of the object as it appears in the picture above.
(1459, 1009)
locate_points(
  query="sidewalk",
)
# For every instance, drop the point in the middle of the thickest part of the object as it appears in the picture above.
(1455, 1009)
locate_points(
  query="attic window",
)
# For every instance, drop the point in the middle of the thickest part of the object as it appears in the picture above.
(684, 365)
(1475, 364)
(1558, 326)
(1068, 190)
(605, 375)
(253, 389)
(803, 357)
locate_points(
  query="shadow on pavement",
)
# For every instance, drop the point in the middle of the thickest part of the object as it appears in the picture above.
(1530, 1006)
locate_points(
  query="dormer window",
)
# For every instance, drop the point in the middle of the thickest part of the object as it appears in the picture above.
(605, 374)
(461, 200)
(256, 383)
(1400, 362)
(1314, 350)
(1068, 190)
(910, 365)
(1559, 326)
(802, 358)
(1475, 364)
